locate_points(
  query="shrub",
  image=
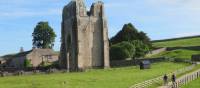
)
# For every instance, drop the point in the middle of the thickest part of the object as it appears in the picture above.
(130, 33)
(133, 49)
(118, 53)
(27, 63)
(138, 42)
(45, 64)
(129, 47)
(140, 48)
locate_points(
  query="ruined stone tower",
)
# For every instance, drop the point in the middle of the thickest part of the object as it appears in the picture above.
(84, 41)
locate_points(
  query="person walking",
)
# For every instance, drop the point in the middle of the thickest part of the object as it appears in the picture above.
(165, 79)
(174, 80)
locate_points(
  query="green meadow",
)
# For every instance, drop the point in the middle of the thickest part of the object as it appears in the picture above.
(97, 78)
(180, 48)
(193, 84)
(178, 42)
(182, 54)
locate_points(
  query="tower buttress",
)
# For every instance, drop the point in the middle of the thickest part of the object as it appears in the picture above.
(81, 8)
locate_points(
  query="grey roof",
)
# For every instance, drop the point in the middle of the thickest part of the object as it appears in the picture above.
(45, 51)
(40, 51)
(1, 58)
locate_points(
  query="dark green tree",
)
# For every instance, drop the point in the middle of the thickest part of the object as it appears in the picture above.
(141, 49)
(129, 47)
(145, 39)
(43, 36)
(140, 41)
(128, 33)
(118, 53)
(122, 51)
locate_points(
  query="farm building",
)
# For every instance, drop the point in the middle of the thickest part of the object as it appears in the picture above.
(2, 62)
(36, 57)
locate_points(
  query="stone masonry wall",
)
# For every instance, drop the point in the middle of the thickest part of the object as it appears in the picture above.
(84, 37)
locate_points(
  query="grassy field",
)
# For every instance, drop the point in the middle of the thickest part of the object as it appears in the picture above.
(180, 48)
(178, 53)
(109, 78)
(179, 43)
(193, 84)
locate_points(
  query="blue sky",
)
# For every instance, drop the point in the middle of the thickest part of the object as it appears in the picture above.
(160, 19)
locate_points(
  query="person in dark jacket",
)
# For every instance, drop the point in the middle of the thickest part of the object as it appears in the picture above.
(174, 80)
(165, 79)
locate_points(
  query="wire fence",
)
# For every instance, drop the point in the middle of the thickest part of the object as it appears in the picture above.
(185, 79)
(148, 83)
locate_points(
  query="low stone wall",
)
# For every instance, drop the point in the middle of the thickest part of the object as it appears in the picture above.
(196, 58)
(123, 63)
(22, 72)
(13, 69)
(8, 69)
(152, 60)
(157, 51)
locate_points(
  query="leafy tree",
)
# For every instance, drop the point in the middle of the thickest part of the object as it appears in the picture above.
(43, 36)
(121, 51)
(140, 48)
(129, 47)
(139, 40)
(118, 53)
(128, 33)
(145, 39)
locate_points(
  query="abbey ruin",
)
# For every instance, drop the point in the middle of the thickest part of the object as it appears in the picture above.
(84, 40)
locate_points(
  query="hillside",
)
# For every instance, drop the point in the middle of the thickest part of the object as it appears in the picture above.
(179, 48)
(177, 38)
(178, 42)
